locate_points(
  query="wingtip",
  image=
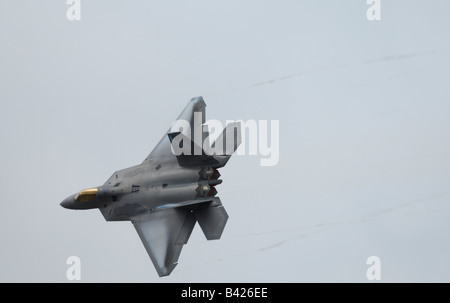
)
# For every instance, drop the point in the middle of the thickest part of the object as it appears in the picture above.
(198, 101)
(166, 271)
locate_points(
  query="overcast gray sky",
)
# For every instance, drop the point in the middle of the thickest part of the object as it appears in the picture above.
(364, 134)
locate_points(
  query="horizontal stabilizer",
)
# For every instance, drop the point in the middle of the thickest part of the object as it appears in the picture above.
(212, 220)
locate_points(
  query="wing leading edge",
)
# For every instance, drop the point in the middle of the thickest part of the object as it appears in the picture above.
(216, 155)
(163, 148)
(164, 232)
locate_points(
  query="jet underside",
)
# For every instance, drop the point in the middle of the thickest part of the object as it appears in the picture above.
(166, 195)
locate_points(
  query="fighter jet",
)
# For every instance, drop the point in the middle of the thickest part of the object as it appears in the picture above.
(169, 191)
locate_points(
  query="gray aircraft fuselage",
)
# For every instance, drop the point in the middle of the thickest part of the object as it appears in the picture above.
(168, 193)
(154, 185)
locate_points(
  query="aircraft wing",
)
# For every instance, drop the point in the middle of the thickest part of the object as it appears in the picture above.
(163, 148)
(163, 234)
(225, 145)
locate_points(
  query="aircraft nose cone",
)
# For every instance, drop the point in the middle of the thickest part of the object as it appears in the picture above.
(68, 202)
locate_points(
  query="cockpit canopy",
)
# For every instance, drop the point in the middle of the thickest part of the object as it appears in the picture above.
(87, 195)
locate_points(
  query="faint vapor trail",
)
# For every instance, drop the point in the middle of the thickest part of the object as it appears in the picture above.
(318, 228)
(367, 218)
(324, 69)
(268, 82)
(380, 113)
(399, 57)
(393, 161)
(407, 204)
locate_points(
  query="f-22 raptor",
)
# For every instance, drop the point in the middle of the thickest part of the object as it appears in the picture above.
(168, 192)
